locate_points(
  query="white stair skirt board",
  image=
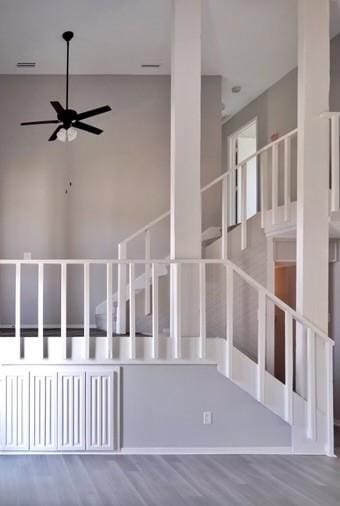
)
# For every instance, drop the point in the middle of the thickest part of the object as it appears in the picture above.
(245, 375)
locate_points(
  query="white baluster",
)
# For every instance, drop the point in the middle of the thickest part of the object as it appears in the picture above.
(287, 176)
(232, 197)
(264, 185)
(261, 346)
(147, 295)
(335, 167)
(63, 308)
(177, 307)
(18, 308)
(132, 337)
(203, 317)
(275, 181)
(311, 385)
(155, 310)
(288, 368)
(329, 399)
(41, 306)
(121, 295)
(109, 310)
(225, 202)
(86, 311)
(243, 185)
(229, 320)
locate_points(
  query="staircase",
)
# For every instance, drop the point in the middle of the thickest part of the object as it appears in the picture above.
(143, 282)
(308, 411)
(310, 414)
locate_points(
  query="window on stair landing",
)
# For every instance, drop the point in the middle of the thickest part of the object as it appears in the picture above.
(242, 144)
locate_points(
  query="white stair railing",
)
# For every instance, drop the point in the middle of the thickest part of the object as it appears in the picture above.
(17, 349)
(268, 158)
(334, 119)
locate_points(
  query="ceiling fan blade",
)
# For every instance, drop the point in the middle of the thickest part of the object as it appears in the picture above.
(54, 135)
(88, 128)
(93, 112)
(40, 122)
(57, 107)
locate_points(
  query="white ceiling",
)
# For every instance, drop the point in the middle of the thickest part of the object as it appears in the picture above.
(251, 43)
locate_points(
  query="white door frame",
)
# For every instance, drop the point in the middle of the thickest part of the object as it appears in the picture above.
(232, 162)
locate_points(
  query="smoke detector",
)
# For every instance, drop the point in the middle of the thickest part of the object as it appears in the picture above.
(236, 89)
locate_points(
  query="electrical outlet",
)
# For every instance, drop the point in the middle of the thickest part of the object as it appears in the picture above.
(27, 255)
(207, 417)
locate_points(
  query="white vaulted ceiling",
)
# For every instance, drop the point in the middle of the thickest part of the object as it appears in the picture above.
(251, 43)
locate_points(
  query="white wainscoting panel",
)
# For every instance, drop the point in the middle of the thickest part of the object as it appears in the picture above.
(100, 416)
(71, 410)
(43, 410)
(14, 419)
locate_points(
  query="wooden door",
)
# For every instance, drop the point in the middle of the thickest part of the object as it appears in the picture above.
(285, 289)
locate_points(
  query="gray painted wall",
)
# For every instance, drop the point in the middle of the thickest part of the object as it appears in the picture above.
(120, 180)
(163, 407)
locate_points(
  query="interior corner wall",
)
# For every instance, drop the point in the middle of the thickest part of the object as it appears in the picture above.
(275, 110)
(79, 199)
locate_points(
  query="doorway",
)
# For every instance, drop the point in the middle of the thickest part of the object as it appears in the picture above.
(242, 144)
(285, 289)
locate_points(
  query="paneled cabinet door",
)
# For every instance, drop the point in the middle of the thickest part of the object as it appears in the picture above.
(101, 410)
(71, 410)
(14, 428)
(43, 410)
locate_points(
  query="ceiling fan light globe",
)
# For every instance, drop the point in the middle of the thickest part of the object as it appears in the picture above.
(71, 134)
(61, 135)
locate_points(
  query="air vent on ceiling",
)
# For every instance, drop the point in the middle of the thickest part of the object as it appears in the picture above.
(26, 64)
(150, 65)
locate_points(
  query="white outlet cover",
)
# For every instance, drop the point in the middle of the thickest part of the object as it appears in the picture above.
(27, 255)
(207, 417)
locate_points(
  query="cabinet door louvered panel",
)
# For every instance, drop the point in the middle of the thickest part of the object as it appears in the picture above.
(43, 411)
(14, 410)
(71, 410)
(101, 417)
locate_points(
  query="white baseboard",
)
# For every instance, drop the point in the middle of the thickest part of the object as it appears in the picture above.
(270, 450)
(228, 450)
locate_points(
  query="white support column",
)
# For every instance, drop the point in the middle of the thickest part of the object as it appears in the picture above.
(186, 130)
(313, 171)
(185, 215)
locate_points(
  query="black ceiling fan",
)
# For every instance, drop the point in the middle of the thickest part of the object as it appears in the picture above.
(68, 118)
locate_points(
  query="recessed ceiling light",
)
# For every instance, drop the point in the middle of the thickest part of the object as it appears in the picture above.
(150, 65)
(26, 64)
(236, 89)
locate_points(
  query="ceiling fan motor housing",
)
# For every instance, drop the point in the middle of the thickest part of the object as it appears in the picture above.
(67, 117)
(68, 36)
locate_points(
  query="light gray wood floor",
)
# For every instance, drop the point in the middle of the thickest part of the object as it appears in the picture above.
(219, 480)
